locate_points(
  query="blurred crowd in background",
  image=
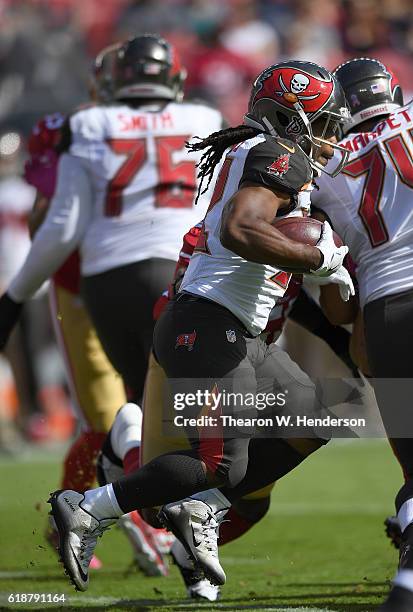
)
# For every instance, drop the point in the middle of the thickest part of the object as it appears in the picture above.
(46, 53)
(46, 46)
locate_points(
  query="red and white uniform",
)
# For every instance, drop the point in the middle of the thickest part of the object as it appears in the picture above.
(125, 190)
(143, 180)
(248, 289)
(278, 315)
(96, 389)
(370, 205)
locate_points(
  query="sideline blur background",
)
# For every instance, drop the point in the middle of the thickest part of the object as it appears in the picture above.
(46, 53)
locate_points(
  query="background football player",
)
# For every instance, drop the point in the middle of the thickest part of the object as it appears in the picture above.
(146, 201)
(96, 388)
(145, 186)
(16, 200)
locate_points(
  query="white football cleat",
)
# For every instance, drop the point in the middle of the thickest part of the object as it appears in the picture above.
(144, 543)
(195, 524)
(204, 589)
(52, 537)
(78, 534)
(197, 586)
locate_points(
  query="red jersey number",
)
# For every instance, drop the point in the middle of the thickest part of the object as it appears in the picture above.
(135, 151)
(373, 165)
(177, 181)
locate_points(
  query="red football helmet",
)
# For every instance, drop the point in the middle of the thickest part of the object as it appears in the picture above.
(287, 98)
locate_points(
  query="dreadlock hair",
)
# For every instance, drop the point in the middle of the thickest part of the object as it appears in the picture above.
(215, 145)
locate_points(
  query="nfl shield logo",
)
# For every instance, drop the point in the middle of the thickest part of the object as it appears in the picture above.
(231, 336)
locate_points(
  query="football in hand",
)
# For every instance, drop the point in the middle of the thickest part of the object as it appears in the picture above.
(305, 230)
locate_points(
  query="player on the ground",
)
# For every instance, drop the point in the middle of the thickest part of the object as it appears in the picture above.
(238, 267)
(97, 390)
(370, 205)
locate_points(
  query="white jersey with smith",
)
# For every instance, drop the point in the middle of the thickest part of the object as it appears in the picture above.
(125, 191)
(142, 177)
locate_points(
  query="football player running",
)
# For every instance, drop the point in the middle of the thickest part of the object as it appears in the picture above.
(122, 439)
(212, 328)
(370, 205)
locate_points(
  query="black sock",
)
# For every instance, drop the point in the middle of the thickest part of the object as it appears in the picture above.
(268, 460)
(405, 493)
(165, 479)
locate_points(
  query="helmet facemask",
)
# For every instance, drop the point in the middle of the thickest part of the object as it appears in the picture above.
(299, 129)
(330, 127)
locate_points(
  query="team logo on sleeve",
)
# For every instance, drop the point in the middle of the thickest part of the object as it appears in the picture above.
(231, 335)
(280, 165)
(187, 340)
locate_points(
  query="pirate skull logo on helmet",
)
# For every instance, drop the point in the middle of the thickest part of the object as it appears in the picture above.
(299, 83)
(288, 98)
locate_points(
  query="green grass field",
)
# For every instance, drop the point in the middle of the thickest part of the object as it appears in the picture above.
(321, 547)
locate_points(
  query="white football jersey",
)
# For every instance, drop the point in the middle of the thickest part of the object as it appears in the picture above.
(370, 205)
(249, 290)
(143, 179)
